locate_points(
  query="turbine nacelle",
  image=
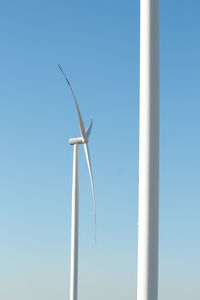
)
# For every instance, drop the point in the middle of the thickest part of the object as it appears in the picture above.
(78, 140)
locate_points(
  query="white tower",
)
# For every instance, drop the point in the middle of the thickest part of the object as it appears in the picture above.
(147, 285)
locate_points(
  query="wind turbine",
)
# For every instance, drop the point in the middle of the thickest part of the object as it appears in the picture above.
(75, 195)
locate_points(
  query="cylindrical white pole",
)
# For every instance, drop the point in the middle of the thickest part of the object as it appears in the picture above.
(74, 227)
(147, 285)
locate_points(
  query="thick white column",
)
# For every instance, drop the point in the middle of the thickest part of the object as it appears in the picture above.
(147, 285)
(74, 227)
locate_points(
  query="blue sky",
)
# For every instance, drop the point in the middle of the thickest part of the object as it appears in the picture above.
(97, 44)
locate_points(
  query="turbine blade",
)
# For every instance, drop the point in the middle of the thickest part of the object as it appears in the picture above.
(88, 131)
(87, 154)
(82, 127)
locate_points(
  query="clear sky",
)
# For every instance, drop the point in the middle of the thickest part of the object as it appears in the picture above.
(97, 44)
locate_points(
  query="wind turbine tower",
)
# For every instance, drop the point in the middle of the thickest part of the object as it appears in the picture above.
(147, 282)
(75, 142)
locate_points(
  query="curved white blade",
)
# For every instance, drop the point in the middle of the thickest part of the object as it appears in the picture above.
(87, 154)
(82, 127)
(88, 131)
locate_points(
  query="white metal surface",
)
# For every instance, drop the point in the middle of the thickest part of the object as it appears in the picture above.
(74, 227)
(147, 285)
